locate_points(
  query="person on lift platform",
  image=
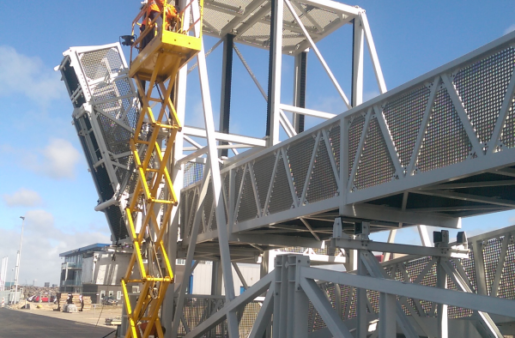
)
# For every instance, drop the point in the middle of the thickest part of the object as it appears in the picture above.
(154, 11)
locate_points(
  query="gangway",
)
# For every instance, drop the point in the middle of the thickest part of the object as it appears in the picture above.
(431, 151)
(106, 108)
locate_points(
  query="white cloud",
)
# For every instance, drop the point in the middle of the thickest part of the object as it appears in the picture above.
(60, 158)
(21, 74)
(57, 160)
(24, 198)
(42, 244)
(509, 29)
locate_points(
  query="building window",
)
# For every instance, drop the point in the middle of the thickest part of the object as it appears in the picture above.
(102, 294)
(111, 293)
(180, 261)
(118, 295)
(135, 289)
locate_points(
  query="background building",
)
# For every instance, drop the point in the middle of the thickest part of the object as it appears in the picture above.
(94, 270)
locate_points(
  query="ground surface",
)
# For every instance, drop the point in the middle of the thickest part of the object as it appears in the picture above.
(39, 323)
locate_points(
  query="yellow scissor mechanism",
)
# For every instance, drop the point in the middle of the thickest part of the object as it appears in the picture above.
(153, 198)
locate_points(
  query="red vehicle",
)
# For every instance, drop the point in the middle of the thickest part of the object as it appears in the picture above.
(44, 299)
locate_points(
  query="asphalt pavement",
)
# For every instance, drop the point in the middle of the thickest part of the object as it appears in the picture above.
(20, 324)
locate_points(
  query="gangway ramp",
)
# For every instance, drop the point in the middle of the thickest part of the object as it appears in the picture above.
(106, 109)
(429, 152)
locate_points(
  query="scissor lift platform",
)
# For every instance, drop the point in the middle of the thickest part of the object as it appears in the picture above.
(163, 54)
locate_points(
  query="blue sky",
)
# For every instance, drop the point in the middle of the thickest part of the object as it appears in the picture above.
(43, 174)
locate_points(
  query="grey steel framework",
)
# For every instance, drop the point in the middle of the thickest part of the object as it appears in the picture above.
(429, 152)
(333, 305)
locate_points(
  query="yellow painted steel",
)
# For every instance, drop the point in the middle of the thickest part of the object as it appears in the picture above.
(150, 205)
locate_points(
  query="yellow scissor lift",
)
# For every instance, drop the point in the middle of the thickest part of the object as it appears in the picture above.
(157, 63)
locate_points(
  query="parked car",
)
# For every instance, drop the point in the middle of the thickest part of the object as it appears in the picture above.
(109, 301)
(44, 299)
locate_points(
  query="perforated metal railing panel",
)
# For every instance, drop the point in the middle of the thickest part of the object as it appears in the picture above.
(508, 131)
(262, 169)
(198, 308)
(482, 88)
(356, 124)
(405, 114)
(446, 141)
(507, 282)
(99, 63)
(299, 156)
(322, 179)
(375, 165)
(280, 194)
(247, 208)
(491, 255)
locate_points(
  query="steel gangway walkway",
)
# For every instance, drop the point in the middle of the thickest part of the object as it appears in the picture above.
(436, 149)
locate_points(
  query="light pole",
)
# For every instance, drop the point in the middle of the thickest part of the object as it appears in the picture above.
(18, 258)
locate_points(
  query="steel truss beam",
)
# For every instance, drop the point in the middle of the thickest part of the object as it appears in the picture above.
(415, 250)
(294, 283)
(487, 304)
(250, 141)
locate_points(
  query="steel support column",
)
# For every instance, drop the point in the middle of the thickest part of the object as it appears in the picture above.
(225, 255)
(442, 316)
(291, 303)
(361, 307)
(357, 62)
(387, 326)
(274, 72)
(424, 235)
(299, 89)
(216, 279)
(225, 100)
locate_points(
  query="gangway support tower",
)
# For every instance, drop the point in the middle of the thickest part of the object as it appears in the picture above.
(153, 198)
